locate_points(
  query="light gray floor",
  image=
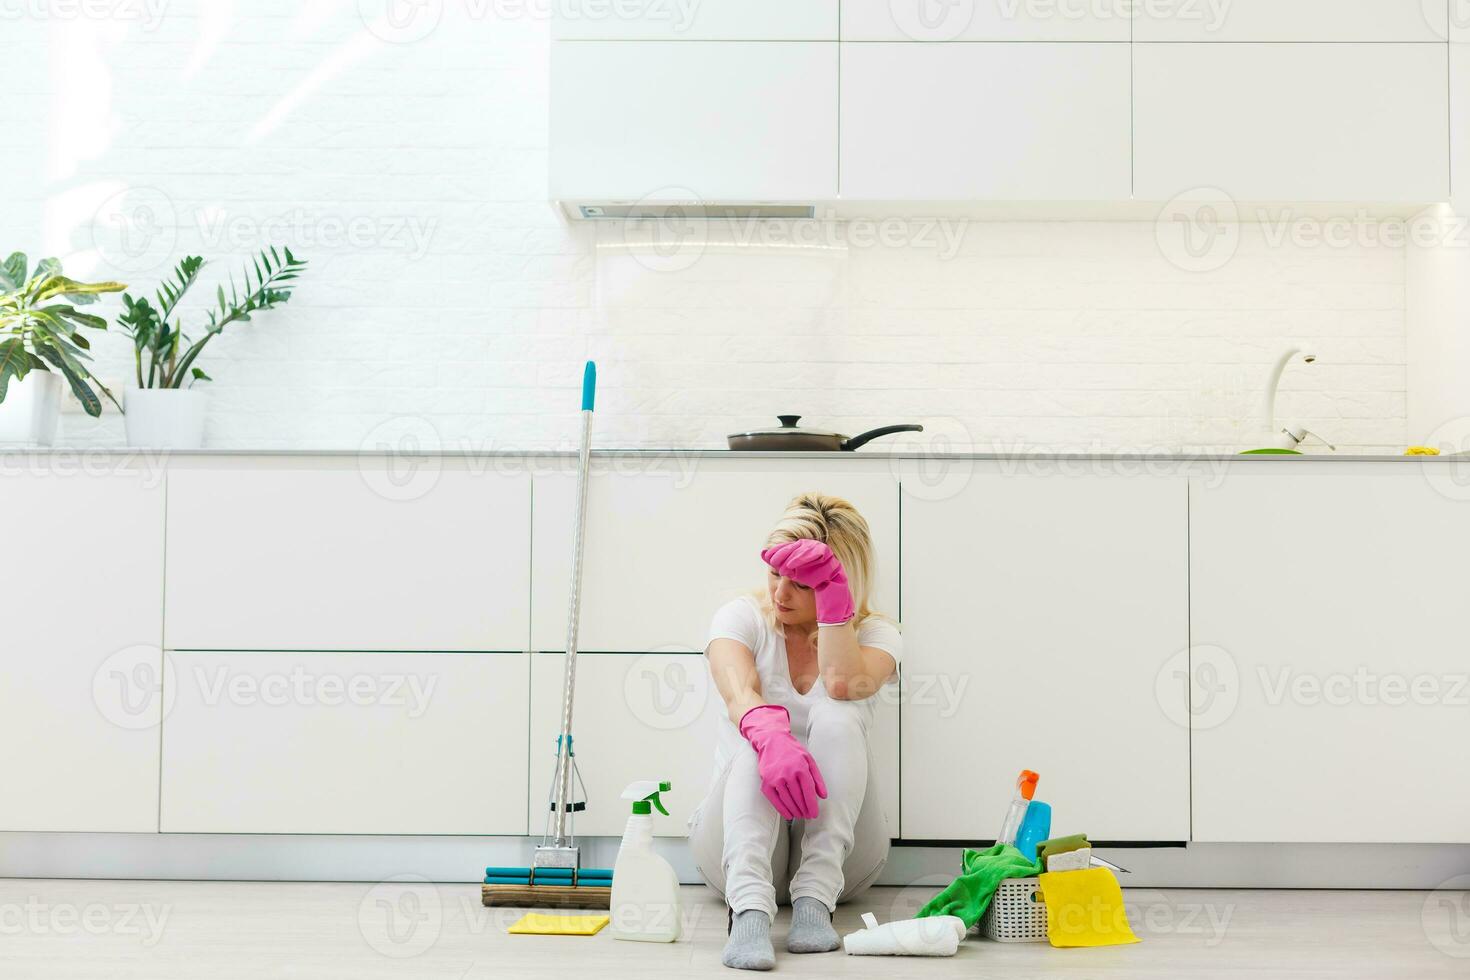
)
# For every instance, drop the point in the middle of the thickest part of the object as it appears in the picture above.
(120, 930)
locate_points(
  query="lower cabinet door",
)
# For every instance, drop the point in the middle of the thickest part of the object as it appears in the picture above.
(80, 659)
(1330, 687)
(650, 716)
(345, 743)
(1043, 616)
(636, 716)
(640, 524)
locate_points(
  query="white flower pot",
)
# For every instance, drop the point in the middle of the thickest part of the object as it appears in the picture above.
(30, 410)
(164, 418)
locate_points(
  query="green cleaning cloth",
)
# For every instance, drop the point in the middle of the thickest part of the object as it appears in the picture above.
(969, 895)
(1060, 845)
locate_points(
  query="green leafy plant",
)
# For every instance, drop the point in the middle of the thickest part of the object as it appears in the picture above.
(163, 353)
(41, 327)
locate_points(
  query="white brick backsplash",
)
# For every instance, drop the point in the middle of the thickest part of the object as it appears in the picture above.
(468, 303)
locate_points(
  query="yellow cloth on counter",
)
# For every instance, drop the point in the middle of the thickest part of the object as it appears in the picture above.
(541, 924)
(1085, 908)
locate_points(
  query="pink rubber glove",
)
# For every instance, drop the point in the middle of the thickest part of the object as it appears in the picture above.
(790, 778)
(811, 563)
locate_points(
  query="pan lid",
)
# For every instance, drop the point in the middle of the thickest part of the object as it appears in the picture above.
(789, 427)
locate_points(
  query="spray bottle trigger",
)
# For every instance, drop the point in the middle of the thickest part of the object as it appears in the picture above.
(647, 791)
(663, 787)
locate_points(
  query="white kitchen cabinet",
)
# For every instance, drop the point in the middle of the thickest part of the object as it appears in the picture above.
(652, 716)
(1292, 122)
(347, 556)
(716, 120)
(82, 669)
(1292, 20)
(638, 716)
(886, 748)
(1001, 122)
(990, 20)
(695, 20)
(1331, 680)
(1038, 613)
(334, 743)
(666, 547)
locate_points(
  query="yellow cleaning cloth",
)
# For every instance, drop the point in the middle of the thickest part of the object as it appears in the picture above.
(1085, 908)
(540, 924)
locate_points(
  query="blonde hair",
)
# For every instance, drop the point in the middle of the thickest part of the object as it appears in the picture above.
(837, 523)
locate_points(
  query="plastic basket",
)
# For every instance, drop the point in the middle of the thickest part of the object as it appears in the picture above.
(1017, 913)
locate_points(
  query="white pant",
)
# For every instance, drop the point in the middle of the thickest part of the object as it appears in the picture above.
(752, 857)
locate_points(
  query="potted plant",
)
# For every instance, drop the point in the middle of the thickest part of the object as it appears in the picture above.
(165, 410)
(41, 342)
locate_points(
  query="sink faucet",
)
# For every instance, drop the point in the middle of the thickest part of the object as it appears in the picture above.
(1286, 436)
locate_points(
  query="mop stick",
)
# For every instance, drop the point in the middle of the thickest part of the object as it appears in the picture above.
(562, 837)
(556, 877)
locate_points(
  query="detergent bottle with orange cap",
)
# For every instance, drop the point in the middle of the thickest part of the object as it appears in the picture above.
(1016, 814)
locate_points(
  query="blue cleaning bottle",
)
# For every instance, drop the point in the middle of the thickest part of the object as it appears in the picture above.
(1035, 828)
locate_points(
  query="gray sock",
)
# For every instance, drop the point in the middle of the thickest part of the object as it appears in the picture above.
(749, 945)
(811, 928)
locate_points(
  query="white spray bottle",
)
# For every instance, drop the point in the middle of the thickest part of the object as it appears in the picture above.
(645, 889)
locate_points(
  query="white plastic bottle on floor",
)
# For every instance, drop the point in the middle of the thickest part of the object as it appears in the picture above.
(645, 889)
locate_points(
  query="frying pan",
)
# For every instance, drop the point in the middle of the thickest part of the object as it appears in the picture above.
(792, 438)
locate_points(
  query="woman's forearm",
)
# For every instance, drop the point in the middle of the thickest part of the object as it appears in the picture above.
(741, 703)
(851, 671)
(840, 660)
(732, 666)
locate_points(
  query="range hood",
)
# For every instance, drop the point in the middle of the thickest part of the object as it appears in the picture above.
(704, 210)
(1244, 212)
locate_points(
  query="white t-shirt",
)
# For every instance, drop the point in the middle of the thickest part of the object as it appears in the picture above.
(741, 620)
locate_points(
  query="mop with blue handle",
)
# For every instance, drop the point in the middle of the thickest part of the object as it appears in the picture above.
(556, 876)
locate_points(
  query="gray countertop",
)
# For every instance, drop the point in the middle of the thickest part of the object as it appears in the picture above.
(874, 455)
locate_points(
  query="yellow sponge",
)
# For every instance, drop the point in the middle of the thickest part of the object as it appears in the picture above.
(1421, 451)
(1085, 908)
(541, 924)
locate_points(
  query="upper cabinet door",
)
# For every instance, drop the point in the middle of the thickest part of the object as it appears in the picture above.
(1292, 122)
(347, 557)
(81, 671)
(986, 20)
(997, 122)
(696, 20)
(718, 120)
(1293, 20)
(665, 549)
